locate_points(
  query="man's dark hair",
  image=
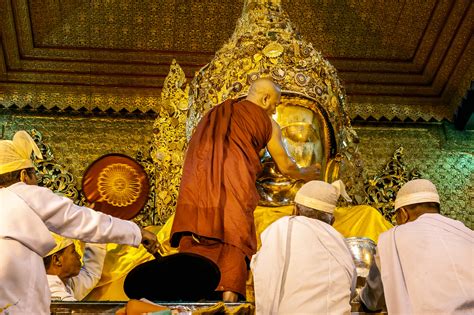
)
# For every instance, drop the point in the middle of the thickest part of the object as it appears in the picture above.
(425, 205)
(11, 178)
(315, 214)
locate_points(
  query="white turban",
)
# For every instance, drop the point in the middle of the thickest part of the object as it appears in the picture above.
(320, 195)
(61, 243)
(416, 191)
(16, 154)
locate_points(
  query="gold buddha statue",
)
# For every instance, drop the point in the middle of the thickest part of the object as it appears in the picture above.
(300, 129)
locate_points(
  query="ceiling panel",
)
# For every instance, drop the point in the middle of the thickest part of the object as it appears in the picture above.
(404, 58)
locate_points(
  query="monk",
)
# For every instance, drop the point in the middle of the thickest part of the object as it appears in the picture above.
(426, 261)
(214, 214)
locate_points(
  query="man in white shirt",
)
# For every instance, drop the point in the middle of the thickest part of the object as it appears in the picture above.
(28, 213)
(425, 265)
(304, 265)
(68, 279)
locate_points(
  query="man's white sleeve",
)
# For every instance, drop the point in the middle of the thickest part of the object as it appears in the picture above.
(91, 271)
(62, 216)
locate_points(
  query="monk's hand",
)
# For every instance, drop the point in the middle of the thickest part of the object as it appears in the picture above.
(149, 241)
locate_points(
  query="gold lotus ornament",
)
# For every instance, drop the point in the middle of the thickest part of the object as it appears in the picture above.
(119, 184)
(273, 50)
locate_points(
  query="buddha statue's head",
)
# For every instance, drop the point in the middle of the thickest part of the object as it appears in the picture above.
(308, 141)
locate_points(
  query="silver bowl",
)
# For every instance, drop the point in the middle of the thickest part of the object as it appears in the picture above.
(363, 251)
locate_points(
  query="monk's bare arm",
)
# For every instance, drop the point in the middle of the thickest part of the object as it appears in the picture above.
(285, 162)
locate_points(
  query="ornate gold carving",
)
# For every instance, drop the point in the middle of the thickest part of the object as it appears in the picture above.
(119, 185)
(53, 175)
(264, 44)
(382, 189)
(169, 143)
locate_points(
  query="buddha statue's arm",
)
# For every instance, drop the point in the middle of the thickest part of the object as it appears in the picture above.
(285, 163)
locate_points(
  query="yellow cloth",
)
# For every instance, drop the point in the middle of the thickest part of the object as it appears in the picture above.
(354, 221)
(121, 259)
(16, 154)
(360, 221)
(264, 216)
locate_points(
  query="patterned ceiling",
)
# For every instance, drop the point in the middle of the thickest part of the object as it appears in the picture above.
(396, 58)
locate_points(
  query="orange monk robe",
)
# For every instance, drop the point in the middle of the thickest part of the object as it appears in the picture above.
(217, 193)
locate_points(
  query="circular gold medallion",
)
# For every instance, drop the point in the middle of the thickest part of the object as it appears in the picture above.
(117, 185)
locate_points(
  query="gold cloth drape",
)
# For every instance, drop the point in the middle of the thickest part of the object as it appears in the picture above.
(360, 221)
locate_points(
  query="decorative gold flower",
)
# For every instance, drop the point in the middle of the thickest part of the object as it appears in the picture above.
(273, 50)
(119, 184)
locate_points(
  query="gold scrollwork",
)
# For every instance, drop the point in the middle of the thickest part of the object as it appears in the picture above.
(381, 189)
(53, 175)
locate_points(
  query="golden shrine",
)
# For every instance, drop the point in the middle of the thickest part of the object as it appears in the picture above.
(313, 115)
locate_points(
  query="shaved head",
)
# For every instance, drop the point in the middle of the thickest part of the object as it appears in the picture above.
(264, 85)
(265, 93)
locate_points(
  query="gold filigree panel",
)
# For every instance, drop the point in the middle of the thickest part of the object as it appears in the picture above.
(382, 188)
(53, 175)
(437, 151)
(77, 142)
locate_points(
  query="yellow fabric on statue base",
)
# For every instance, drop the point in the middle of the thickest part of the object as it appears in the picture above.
(360, 221)
(264, 216)
(354, 221)
(120, 260)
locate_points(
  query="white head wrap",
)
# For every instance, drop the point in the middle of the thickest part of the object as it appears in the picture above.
(16, 154)
(320, 195)
(416, 191)
(61, 243)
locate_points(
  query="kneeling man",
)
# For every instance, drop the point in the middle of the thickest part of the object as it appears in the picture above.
(304, 265)
(67, 279)
(425, 263)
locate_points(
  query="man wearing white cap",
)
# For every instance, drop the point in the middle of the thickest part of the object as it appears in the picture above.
(68, 280)
(27, 213)
(304, 265)
(426, 261)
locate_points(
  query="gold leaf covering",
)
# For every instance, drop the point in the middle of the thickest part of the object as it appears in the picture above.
(265, 44)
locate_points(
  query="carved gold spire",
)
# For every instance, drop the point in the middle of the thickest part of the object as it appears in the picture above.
(265, 44)
(169, 143)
